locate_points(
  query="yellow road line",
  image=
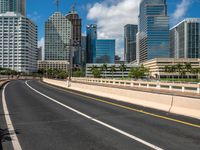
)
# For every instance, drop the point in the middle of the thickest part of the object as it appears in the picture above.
(129, 108)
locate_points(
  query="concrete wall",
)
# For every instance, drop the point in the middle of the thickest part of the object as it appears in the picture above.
(176, 104)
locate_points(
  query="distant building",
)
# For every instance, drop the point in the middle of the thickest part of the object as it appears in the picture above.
(84, 47)
(130, 32)
(17, 6)
(18, 43)
(58, 35)
(39, 53)
(76, 34)
(153, 29)
(117, 59)
(91, 37)
(185, 39)
(108, 73)
(53, 64)
(104, 51)
(157, 67)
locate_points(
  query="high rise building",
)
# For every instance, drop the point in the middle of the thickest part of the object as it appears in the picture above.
(18, 43)
(185, 39)
(76, 34)
(130, 32)
(58, 34)
(153, 29)
(104, 51)
(91, 38)
(84, 47)
(17, 6)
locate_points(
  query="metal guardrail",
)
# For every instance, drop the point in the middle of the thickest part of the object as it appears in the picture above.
(192, 88)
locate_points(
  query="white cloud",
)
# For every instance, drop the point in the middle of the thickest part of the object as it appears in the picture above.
(111, 16)
(34, 16)
(181, 10)
(41, 44)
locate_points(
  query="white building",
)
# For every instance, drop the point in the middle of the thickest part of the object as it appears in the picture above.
(18, 43)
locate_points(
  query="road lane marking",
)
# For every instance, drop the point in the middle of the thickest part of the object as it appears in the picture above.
(129, 108)
(98, 121)
(15, 141)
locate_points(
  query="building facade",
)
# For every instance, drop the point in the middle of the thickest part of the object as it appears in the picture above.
(153, 29)
(157, 67)
(53, 64)
(185, 39)
(130, 32)
(91, 37)
(108, 73)
(104, 51)
(84, 47)
(76, 35)
(18, 43)
(17, 6)
(58, 35)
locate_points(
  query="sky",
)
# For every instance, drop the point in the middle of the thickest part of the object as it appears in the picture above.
(110, 15)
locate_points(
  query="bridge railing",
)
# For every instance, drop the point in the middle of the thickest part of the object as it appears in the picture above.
(183, 87)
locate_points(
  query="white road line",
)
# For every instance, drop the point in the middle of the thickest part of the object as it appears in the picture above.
(15, 141)
(98, 121)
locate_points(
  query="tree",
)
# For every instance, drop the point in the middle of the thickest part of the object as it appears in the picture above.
(122, 68)
(167, 69)
(62, 74)
(138, 72)
(188, 68)
(113, 69)
(96, 72)
(105, 68)
(179, 68)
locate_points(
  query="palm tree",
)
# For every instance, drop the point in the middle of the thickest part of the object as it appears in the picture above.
(122, 68)
(105, 68)
(179, 68)
(96, 72)
(167, 69)
(113, 69)
(188, 67)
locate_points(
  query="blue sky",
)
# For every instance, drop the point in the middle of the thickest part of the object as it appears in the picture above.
(101, 12)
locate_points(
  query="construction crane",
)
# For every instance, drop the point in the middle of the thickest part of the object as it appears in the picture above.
(73, 6)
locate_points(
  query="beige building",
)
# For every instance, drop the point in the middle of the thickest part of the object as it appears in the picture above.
(53, 64)
(157, 66)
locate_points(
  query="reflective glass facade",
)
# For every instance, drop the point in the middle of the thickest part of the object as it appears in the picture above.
(91, 38)
(104, 51)
(17, 6)
(185, 39)
(130, 32)
(153, 31)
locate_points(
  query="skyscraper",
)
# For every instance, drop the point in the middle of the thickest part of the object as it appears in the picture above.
(18, 43)
(153, 29)
(17, 6)
(130, 32)
(76, 34)
(104, 51)
(58, 34)
(185, 39)
(91, 37)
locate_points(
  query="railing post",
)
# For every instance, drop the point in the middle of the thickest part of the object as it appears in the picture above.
(147, 85)
(158, 85)
(198, 89)
(183, 89)
(170, 87)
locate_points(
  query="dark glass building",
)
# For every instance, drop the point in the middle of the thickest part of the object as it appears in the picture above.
(185, 39)
(76, 35)
(153, 31)
(104, 51)
(91, 38)
(130, 32)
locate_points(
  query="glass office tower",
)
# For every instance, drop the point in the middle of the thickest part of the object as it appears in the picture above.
(153, 30)
(91, 37)
(104, 51)
(130, 32)
(185, 39)
(17, 6)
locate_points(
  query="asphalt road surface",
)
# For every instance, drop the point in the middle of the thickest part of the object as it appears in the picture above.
(37, 116)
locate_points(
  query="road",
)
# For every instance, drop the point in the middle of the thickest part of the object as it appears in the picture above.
(49, 118)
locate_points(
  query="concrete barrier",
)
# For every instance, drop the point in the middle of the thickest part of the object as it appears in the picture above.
(175, 104)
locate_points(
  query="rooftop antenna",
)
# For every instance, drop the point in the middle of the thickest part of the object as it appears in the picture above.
(57, 4)
(74, 6)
